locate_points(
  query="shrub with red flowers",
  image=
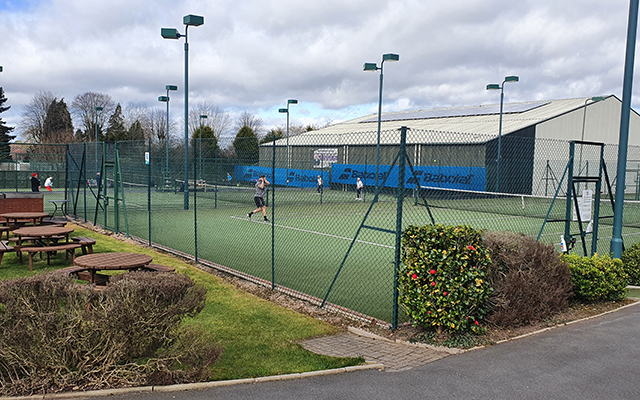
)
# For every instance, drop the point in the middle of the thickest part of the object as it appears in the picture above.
(442, 277)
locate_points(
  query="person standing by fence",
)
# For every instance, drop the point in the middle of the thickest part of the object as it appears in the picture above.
(261, 190)
(320, 184)
(35, 183)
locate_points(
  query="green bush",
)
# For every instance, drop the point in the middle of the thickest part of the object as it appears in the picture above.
(56, 335)
(442, 279)
(597, 278)
(529, 280)
(631, 263)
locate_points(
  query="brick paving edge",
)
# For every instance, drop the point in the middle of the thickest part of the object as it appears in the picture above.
(196, 386)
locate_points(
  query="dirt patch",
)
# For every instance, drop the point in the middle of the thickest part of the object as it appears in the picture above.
(405, 332)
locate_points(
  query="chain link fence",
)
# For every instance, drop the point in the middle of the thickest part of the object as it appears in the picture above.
(324, 242)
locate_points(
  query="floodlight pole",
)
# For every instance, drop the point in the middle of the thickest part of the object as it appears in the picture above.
(286, 110)
(168, 88)
(501, 87)
(623, 142)
(171, 33)
(96, 109)
(374, 67)
(200, 145)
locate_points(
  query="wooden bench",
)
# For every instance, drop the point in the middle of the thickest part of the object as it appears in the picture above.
(5, 248)
(85, 242)
(72, 270)
(157, 268)
(3, 229)
(68, 248)
(98, 279)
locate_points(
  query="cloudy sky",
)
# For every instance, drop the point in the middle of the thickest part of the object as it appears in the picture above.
(253, 55)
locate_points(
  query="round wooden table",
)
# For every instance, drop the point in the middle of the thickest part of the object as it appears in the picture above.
(111, 261)
(42, 232)
(15, 216)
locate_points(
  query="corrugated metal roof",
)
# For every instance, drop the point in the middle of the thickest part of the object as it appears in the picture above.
(459, 128)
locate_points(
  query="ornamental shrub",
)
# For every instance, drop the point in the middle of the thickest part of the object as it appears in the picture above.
(529, 279)
(631, 263)
(56, 335)
(442, 279)
(597, 278)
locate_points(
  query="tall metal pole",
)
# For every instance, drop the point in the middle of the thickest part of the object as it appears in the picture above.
(186, 117)
(287, 145)
(623, 142)
(379, 121)
(499, 139)
(166, 139)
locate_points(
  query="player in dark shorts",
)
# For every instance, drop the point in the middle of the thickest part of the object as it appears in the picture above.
(261, 190)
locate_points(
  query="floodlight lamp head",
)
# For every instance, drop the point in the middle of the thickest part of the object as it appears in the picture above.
(171, 87)
(493, 86)
(203, 117)
(193, 20)
(0, 68)
(170, 33)
(512, 78)
(97, 108)
(283, 110)
(390, 57)
(598, 98)
(163, 99)
(370, 67)
(292, 101)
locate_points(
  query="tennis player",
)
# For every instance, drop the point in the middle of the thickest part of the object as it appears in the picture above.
(359, 186)
(259, 197)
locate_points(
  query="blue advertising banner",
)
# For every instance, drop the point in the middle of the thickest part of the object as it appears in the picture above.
(467, 178)
(296, 178)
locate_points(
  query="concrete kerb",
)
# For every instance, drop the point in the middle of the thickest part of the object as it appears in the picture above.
(196, 386)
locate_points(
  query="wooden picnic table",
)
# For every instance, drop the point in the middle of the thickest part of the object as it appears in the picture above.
(34, 217)
(111, 261)
(44, 233)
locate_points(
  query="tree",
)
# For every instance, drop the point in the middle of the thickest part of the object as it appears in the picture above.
(268, 138)
(246, 145)
(34, 114)
(137, 112)
(83, 109)
(5, 138)
(116, 130)
(251, 121)
(58, 127)
(209, 141)
(136, 132)
(217, 119)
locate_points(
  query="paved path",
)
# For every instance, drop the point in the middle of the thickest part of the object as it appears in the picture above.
(595, 359)
(396, 356)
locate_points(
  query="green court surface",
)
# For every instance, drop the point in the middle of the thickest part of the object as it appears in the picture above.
(312, 233)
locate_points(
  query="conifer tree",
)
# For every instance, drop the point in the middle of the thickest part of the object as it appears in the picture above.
(5, 138)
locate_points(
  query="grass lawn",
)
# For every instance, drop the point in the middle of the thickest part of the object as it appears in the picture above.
(260, 338)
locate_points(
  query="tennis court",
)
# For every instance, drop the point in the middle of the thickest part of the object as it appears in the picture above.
(312, 232)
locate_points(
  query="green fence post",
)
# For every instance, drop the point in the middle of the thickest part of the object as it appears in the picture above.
(401, 179)
(195, 195)
(273, 210)
(149, 189)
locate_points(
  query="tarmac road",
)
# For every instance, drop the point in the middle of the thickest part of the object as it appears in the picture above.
(594, 359)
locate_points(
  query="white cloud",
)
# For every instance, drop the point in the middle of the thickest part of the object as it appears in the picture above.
(253, 55)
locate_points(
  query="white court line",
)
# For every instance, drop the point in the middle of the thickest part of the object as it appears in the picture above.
(316, 233)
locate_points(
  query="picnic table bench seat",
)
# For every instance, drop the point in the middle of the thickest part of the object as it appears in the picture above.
(5, 248)
(72, 270)
(67, 247)
(98, 279)
(86, 243)
(3, 229)
(157, 268)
